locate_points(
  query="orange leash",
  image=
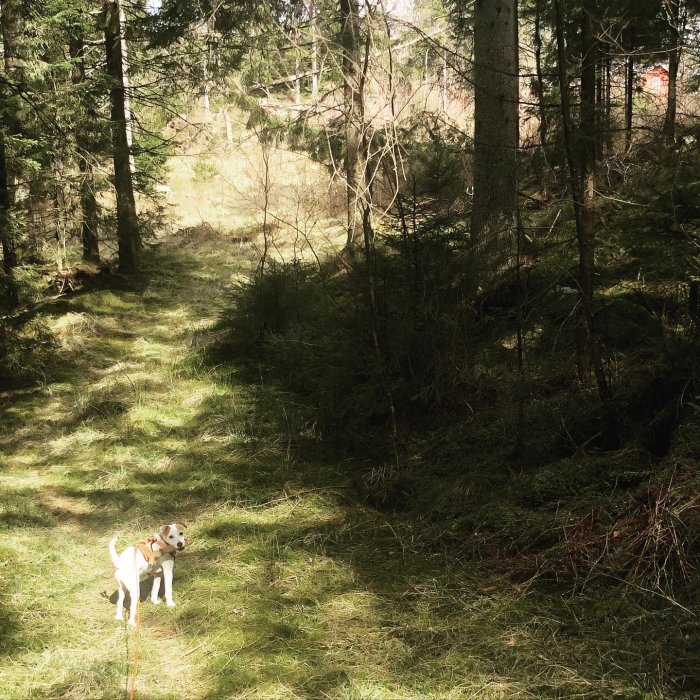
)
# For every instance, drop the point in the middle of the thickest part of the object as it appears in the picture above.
(135, 667)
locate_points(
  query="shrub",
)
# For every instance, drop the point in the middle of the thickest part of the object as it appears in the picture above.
(25, 354)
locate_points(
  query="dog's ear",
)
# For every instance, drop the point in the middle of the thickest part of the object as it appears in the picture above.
(164, 531)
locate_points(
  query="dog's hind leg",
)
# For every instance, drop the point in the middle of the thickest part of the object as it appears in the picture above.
(134, 594)
(119, 615)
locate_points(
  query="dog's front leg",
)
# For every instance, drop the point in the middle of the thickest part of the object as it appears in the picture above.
(155, 590)
(168, 579)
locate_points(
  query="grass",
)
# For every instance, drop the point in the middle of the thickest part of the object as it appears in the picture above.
(217, 186)
(290, 589)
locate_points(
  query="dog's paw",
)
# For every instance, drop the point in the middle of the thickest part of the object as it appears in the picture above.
(171, 603)
(131, 623)
(155, 601)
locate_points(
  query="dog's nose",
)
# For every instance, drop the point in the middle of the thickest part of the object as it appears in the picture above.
(180, 545)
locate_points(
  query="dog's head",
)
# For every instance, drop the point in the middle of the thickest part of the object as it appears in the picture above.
(174, 535)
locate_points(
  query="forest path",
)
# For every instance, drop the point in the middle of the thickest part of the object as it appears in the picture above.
(289, 590)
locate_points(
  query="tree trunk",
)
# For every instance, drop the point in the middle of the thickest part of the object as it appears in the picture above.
(600, 101)
(352, 99)
(676, 21)
(496, 135)
(9, 252)
(608, 100)
(539, 80)
(205, 97)
(587, 160)
(520, 446)
(443, 85)
(128, 122)
(629, 87)
(128, 235)
(88, 200)
(229, 128)
(581, 164)
(10, 20)
(90, 210)
(314, 48)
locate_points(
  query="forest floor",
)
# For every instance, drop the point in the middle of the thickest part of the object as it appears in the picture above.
(290, 588)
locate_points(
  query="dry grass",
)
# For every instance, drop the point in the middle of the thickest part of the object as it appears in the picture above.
(216, 185)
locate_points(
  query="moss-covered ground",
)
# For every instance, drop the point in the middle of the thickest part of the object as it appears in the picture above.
(292, 587)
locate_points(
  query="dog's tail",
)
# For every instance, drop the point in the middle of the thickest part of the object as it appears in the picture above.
(113, 552)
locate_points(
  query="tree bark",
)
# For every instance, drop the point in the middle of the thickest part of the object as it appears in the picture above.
(128, 122)
(314, 48)
(9, 251)
(128, 234)
(205, 97)
(608, 99)
(496, 135)
(539, 80)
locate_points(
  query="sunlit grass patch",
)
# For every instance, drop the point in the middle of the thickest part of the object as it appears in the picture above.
(72, 328)
(109, 302)
(86, 436)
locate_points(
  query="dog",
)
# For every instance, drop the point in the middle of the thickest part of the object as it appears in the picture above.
(156, 556)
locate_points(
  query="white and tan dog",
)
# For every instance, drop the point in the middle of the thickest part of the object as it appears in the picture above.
(156, 556)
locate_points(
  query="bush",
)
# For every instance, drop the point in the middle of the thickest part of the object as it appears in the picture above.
(204, 170)
(312, 331)
(25, 354)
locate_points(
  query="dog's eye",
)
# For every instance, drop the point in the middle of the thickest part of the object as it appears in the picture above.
(171, 537)
(181, 534)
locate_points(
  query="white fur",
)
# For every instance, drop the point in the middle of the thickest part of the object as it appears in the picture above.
(131, 565)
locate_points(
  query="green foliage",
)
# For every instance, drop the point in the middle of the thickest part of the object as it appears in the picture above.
(559, 481)
(204, 170)
(438, 160)
(27, 355)
(286, 319)
(151, 155)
